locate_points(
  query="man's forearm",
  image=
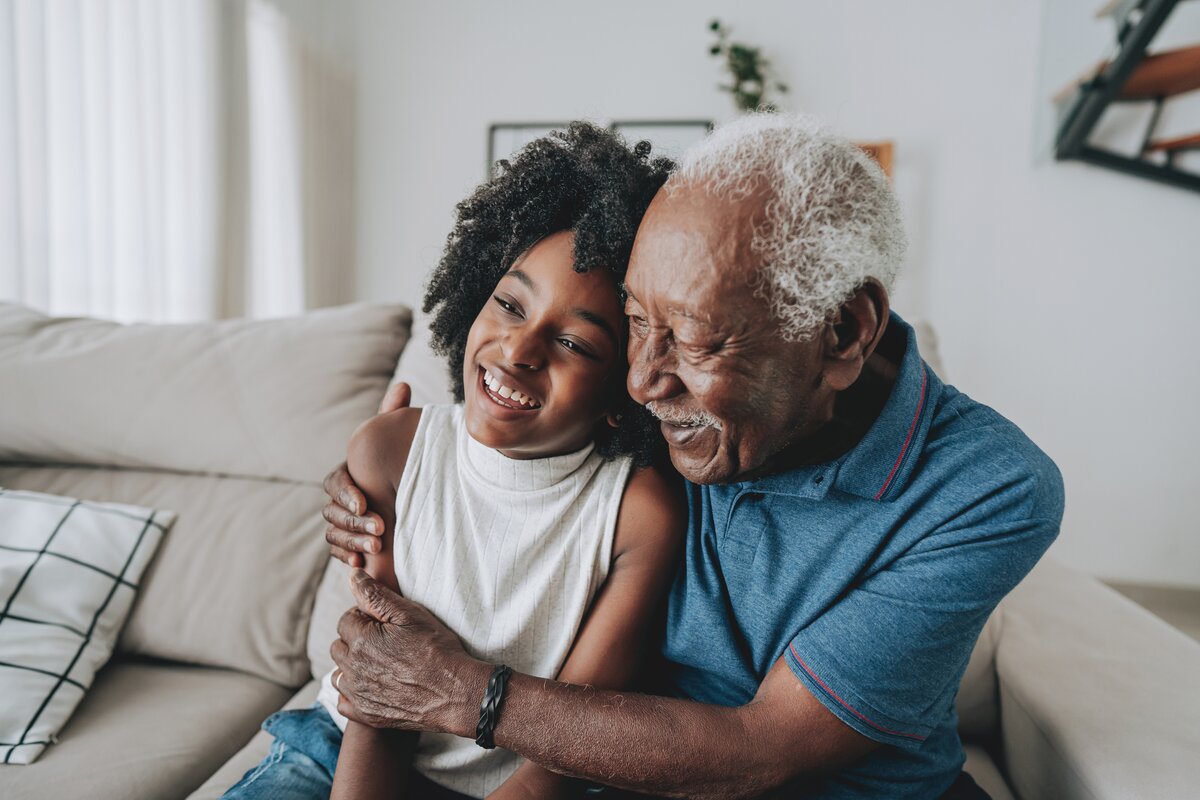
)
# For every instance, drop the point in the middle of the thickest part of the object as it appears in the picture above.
(652, 745)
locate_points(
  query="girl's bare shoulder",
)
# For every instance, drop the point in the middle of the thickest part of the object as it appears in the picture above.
(378, 450)
(653, 510)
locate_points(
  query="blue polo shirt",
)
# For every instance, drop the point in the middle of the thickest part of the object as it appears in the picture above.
(871, 576)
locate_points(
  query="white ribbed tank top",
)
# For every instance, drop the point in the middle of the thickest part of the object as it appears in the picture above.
(508, 553)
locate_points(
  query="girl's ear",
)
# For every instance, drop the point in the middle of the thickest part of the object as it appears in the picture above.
(613, 419)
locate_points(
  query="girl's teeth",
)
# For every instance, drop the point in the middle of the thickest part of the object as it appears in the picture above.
(496, 386)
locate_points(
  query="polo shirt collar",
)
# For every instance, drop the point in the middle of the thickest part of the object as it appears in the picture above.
(881, 464)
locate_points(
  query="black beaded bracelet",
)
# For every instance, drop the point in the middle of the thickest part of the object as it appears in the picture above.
(489, 709)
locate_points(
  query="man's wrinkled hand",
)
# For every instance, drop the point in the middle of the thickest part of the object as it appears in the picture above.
(352, 530)
(399, 667)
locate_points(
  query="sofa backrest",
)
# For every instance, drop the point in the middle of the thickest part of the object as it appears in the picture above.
(257, 398)
(232, 424)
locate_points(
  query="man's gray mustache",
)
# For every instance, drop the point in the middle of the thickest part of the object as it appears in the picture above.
(682, 418)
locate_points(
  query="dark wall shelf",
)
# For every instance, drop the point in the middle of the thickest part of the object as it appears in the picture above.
(1132, 75)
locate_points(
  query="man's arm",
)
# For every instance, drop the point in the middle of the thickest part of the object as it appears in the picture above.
(423, 680)
(375, 763)
(678, 748)
(619, 629)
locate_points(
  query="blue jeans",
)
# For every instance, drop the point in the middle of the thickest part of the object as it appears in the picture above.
(302, 759)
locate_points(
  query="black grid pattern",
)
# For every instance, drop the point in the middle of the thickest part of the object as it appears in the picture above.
(87, 527)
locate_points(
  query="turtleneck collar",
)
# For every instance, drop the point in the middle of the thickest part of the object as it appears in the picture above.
(514, 474)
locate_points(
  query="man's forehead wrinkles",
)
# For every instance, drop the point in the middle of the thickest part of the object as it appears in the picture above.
(709, 325)
(688, 314)
(674, 302)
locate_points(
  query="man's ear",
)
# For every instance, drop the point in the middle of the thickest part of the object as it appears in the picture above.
(853, 334)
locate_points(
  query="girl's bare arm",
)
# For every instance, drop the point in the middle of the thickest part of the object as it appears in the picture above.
(375, 763)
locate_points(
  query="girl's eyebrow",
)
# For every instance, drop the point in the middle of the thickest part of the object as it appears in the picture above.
(523, 278)
(599, 322)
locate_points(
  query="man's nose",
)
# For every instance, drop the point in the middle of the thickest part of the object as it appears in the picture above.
(523, 349)
(652, 369)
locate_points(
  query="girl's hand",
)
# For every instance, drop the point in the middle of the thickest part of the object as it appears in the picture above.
(352, 530)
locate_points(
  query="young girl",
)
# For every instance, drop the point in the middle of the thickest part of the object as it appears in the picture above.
(529, 516)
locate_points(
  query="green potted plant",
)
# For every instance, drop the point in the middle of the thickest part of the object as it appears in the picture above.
(749, 70)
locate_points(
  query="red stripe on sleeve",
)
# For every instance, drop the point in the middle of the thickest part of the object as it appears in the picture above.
(846, 705)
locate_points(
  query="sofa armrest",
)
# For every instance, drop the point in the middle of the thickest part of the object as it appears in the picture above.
(1099, 698)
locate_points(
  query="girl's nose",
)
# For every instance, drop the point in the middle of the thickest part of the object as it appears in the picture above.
(523, 350)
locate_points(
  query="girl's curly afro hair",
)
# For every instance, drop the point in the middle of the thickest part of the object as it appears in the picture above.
(583, 179)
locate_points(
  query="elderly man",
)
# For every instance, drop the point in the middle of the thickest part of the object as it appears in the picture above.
(853, 521)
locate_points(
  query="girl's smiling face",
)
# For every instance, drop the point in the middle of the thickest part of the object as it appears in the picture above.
(544, 358)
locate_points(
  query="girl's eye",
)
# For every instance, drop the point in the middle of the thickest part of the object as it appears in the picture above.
(575, 347)
(507, 306)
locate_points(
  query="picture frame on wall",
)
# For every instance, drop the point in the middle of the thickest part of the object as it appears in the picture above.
(667, 137)
(506, 138)
(882, 152)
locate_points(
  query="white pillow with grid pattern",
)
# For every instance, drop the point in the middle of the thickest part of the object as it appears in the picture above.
(69, 570)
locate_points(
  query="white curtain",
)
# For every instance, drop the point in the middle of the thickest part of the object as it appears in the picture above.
(171, 160)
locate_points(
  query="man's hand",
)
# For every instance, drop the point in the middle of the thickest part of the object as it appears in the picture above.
(352, 530)
(399, 667)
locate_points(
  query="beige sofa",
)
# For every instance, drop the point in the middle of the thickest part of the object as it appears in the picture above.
(1073, 692)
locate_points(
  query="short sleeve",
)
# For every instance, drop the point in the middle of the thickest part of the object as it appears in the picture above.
(887, 658)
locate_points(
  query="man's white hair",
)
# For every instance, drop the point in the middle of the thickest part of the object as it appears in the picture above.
(831, 219)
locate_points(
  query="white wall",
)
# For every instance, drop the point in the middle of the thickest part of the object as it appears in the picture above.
(1063, 294)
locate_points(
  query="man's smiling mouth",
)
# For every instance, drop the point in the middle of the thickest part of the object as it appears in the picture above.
(682, 419)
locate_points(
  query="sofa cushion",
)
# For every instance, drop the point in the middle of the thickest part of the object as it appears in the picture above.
(232, 585)
(332, 600)
(983, 769)
(147, 731)
(249, 756)
(69, 571)
(426, 372)
(1099, 698)
(263, 398)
